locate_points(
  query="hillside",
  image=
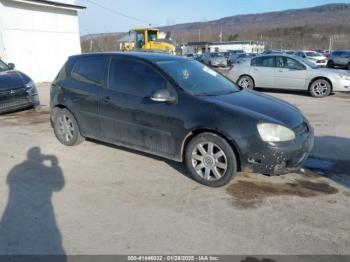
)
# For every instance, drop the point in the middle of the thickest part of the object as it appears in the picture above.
(297, 28)
(307, 28)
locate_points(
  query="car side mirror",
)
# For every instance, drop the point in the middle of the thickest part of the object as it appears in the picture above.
(163, 96)
(11, 66)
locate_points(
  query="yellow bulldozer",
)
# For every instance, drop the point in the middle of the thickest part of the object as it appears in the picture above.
(148, 39)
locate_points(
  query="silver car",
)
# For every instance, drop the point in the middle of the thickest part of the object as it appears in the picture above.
(339, 58)
(289, 72)
(314, 57)
(214, 59)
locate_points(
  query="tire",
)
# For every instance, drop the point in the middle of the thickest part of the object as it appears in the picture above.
(210, 160)
(320, 88)
(348, 67)
(330, 64)
(66, 128)
(246, 82)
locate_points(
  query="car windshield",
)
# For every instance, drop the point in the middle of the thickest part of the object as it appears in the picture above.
(196, 78)
(312, 54)
(3, 66)
(217, 55)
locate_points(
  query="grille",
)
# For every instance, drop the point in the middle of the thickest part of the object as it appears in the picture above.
(13, 98)
(301, 129)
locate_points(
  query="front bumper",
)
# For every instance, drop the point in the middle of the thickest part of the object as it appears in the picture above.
(13, 103)
(278, 158)
(341, 85)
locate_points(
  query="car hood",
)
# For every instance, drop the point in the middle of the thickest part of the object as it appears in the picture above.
(11, 79)
(317, 57)
(259, 106)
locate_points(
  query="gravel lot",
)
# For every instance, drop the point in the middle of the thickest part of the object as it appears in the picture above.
(100, 199)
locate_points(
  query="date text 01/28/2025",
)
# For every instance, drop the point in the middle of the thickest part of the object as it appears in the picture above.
(173, 258)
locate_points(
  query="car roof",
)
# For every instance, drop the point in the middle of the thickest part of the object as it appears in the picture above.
(149, 56)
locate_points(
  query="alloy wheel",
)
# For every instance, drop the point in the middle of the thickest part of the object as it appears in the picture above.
(209, 161)
(245, 82)
(320, 88)
(66, 128)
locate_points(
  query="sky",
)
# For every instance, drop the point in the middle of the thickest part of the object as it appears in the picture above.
(127, 14)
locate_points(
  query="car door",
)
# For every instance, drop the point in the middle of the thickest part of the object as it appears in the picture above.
(344, 58)
(289, 73)
(82, 91)
(128, 115)
(262, 70)
(337, 57)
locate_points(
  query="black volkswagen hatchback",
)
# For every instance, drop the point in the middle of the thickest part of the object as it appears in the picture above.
(17, 90)
(178, 109)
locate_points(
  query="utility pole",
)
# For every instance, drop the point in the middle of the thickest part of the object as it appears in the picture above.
(330, 43)
(199, 35)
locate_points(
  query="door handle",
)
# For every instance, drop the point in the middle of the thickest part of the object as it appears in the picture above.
(106, 100)
(255, 69)
(281, 71)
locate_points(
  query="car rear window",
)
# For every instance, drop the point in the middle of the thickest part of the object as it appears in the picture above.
(90, 70)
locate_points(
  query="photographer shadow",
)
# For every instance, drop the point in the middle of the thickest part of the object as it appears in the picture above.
(28, 225)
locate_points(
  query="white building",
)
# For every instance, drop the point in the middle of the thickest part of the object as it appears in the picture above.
(38, 36)
(246, 46)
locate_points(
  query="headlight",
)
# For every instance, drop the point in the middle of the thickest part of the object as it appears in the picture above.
(31, 88)
(345, 77)
(275, 133)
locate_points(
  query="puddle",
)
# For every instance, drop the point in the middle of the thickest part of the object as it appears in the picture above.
(337, 170)
(24, 118)
(251, 194)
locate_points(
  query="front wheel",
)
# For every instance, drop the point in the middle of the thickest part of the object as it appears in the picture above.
(210, 160)
(320, 88)
(246, 82)
(330, 64)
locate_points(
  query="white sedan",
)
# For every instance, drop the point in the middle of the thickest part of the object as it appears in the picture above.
(289, 72)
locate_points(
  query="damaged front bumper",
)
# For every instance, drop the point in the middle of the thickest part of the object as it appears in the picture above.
(277, 158)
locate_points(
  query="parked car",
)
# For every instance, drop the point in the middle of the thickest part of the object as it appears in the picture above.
(214, 59)
(233, 52)
(314, 57)
(233, 59)
(272, 51)
(17, 90)
(290, 52)
(289, 72)
(339, 58)
(179, 109)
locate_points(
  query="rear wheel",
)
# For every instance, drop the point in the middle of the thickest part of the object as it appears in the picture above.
(330, 64)
(66, 128)
(348, 67)
(246, 82)
(320, 88)
(210, 160)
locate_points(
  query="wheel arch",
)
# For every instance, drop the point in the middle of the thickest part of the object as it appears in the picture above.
(198, 131)
(320, 77)
(248, 76)
(61, 106)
